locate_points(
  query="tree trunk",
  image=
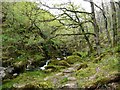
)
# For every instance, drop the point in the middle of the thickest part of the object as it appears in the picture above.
(114, 20)
(119, 21)
(87, 39)
(96, 28)
(118, 14)
(106, 25)
(85, 36)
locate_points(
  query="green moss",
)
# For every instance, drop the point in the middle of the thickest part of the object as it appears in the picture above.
(56, 65)
(82, 65)
(45, 85)
(81, 54)
(50, 68)
(63, 63)
(73, 59)
(97, 72)
(32, 85)
(64, 80)
(87, 73)
(59, 62)
(53, 68)
(53, 62)
(118, 88)
(25, 78)
(20, 65)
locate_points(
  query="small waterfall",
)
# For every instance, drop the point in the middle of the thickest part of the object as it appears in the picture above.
(43, 67)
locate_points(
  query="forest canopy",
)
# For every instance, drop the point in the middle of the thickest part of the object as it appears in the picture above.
(33, 35)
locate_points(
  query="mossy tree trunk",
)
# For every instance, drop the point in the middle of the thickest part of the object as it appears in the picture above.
(114, 20)
(106, 23)
(96, 28)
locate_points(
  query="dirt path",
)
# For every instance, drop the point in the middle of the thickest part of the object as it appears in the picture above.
(65, 78)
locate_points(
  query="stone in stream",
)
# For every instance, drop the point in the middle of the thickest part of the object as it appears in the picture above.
(6, 72)
(2, 72)
(15, 74)
(30, 67)
(58, 58)
(9, 69)
(62, 58)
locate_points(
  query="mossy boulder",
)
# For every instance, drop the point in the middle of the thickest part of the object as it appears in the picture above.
(81, 54)
(37, 60)
(37, 63)
(20, 66)
(63, 63)
(50, 68)
(59, 62)
(6, 61)
(77, 53)
(74, 58)
(56, 65)
(53, 68)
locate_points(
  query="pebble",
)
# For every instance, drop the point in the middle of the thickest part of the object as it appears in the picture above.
(2, 74)
(58, 58)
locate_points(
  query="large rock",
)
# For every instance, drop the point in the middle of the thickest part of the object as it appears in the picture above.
(59, 62)
(73, 59)
(6, 72)
(2, 72)
(20, 66)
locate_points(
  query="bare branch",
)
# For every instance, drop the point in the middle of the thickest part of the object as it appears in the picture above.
(71, 25)
(52, 19)
(98, 7)
(70, 17)
(75, 34)
(40, 32)
(65, 9)
(55, 29)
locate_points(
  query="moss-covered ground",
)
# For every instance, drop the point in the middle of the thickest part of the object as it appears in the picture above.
(86, 72)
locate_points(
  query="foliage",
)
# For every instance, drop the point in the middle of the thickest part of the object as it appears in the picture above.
(21, 37)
